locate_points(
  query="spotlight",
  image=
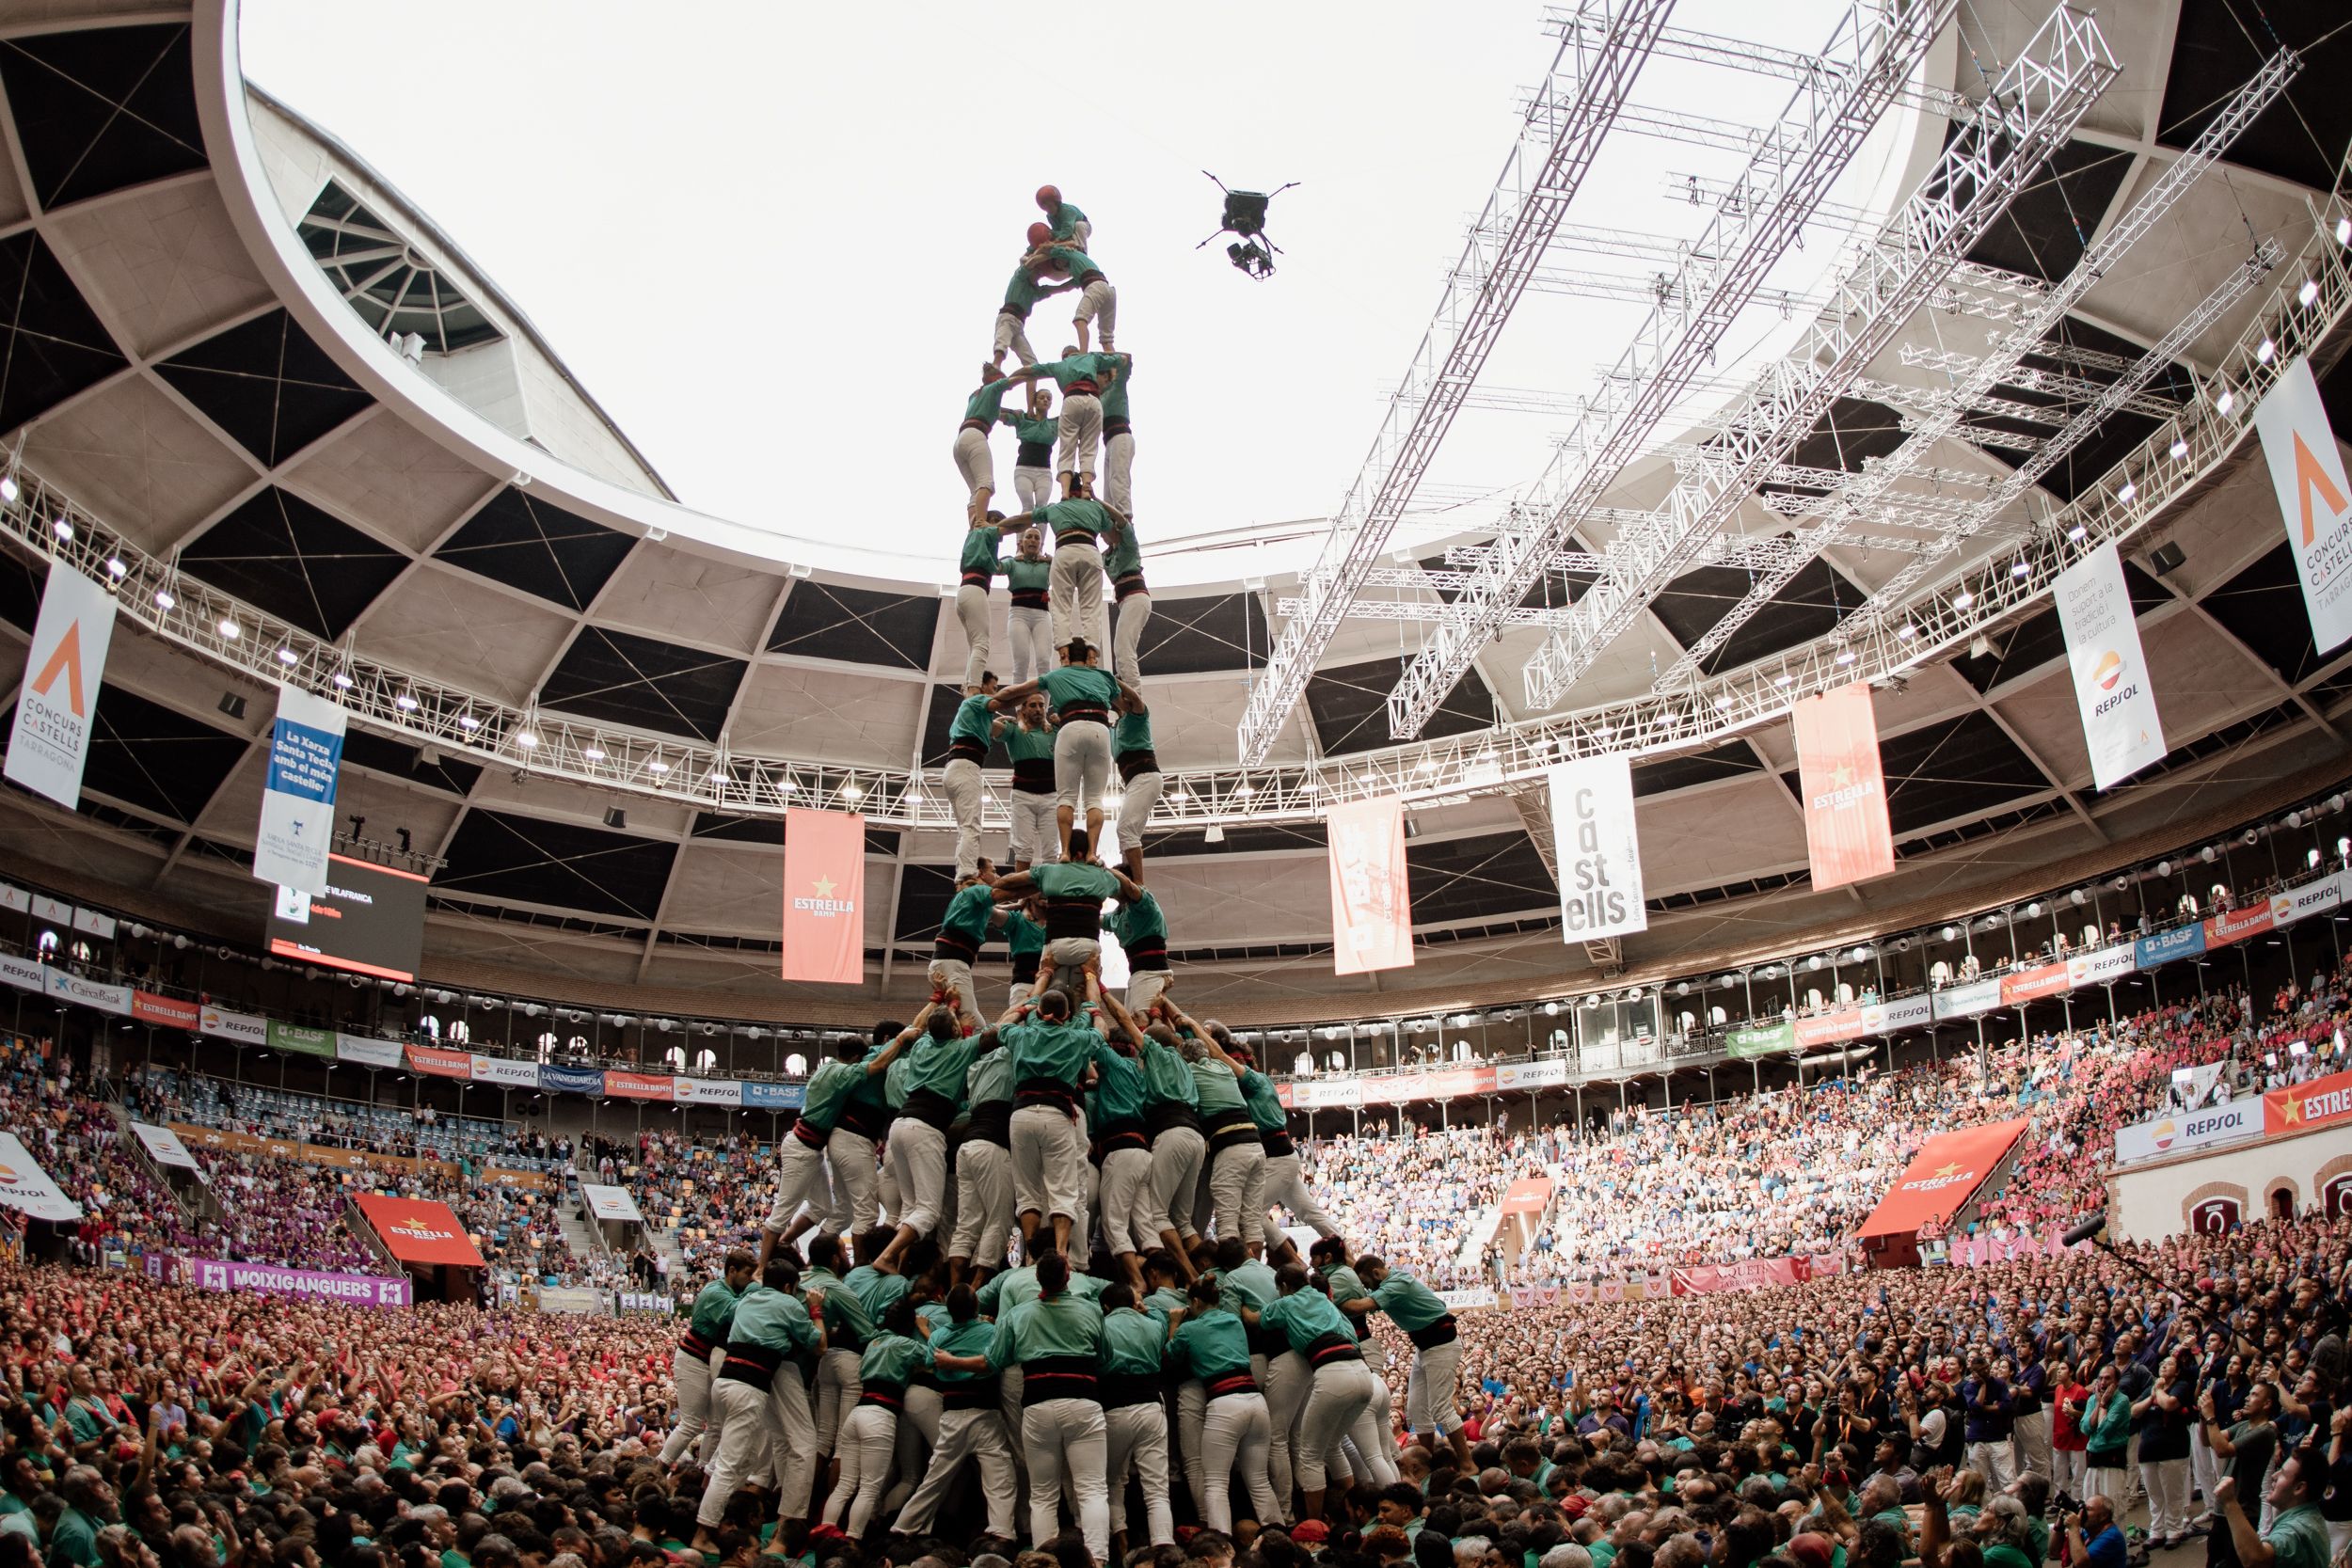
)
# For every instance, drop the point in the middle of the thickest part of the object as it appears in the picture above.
(115, 569)
(615, 817)
(1963, 599)
(2308, 292)
(163, 599)
(232, 705)
(526, 740)
(2021, 570)
(594, 754)
(230, 629)
(405, 845)
(65, 530)
(342, 680)
(2180, 446)
(2263, 352)
(405, 702)
(7, 487)
(2076, 534)
(2344, 236)
(287, 655)
(2227, 400)
(1906, 631)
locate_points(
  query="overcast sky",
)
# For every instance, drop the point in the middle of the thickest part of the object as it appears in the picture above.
(771, 240)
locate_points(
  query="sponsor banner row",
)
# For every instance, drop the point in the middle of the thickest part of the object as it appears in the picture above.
(215, 1274)
(2321, 1102)
(2178, 1131)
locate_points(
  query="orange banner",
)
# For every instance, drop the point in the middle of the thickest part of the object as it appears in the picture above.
(1845, 791)
(438, 1063)
(824, 896)
(2030, 985)
(418, 1232)
(2237, 925)
(1371, 900)
(2321, 1102)
(1942, 1178)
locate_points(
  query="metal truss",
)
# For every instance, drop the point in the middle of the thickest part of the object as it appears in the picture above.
(1762, 59)
(2074, 388)
(2179, 457)
(1942, 413)
(1557, 144)
(1986, 164)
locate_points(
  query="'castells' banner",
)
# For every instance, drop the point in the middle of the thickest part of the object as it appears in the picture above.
(2112, 688)
(1599, 856)
(306, 748)
(2307, 475)
(58, 704)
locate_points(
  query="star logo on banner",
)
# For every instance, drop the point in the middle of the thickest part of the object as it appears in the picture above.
(824, 887)
(1841, 776)
(2291, 1110)
(1947, 1170)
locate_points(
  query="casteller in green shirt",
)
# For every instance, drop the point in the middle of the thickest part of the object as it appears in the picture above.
(988, 402)
(1081, 519)
(1080, 690)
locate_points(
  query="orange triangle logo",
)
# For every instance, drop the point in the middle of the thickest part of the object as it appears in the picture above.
(67, 661)
(2311, 476)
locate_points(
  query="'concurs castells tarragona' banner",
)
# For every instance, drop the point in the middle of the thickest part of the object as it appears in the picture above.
(2113, 690)
(2308, 474)
(1598, 854)
(58, 704)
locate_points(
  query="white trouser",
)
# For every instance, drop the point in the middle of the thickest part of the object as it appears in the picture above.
(961, 778)
(886, 1199)
(1286, 1186)
(984, 1202)
(1131, 1221)
(1098, 302)
(802, 1181)
(1177, 1153)
(1080, 232)
(2204, 1466)
(1074, 593)
(1237, 1429)
(2115, 1485)
(918, 1438)
(2167, 1494)
(975, 462)
(1339, 1406)
(1288, 1382)
(690, 1375)
(855, 1176)
(1036, 830)
(1994, 1462)
(1137, 1436)
(1032, 649)
(1012, 332)
(1071, 954)
(794, 1464)
(1119, 468)
(1082, 766)
(953, 976)
(1144, 985)
(1429, 1403)
(2066, 1473)
(744, 1424)
(977, 1434)
(1035, 486)
(1066, 1438)
(1049, 1163)
(837, 1390)
(918, 1158)
(2029, 1435)
(869, 1438)
(1136, 799)
(1192, 1409)
(1081, 430)
(1131, 613)
(1234, 1171)
(973, 615)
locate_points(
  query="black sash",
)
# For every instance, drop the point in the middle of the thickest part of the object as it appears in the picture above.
(1057, 1377)
(1439, 1333)
(1074, 918)
(750, 1363)
(1143, 760)
(1233, 1133)
(1121, 1389)
(1046, 1091)
(931, 1108)
(991, 1123)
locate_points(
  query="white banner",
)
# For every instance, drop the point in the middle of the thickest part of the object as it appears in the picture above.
(164, 1145)
(1322, 1094)
(306, 747)
(1464, 1301)
(707, 1091)
(363, 1052)
(14, 897)
(91, 923)
(1551, 1073)
(2312, 897)
(2113, 690)
(58, 707)
(2181, 1131)
(610, 1203)
(1967, 1000)
(1598, 852)
(503, 1070)
(68, 987)
(1904, 1012)
(2104, 963)
(23, 974)
(2307, 472)
(23, 1185)
(244, 1028)
(54, 910)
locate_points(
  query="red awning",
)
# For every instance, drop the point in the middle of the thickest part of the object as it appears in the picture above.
(1941, 1181)
(418, 1232)
(1529, 1195)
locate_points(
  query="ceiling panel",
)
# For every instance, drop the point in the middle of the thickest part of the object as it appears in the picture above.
(132, 455)
(1955, 768)
(399, 760)
(1350, 706)
(563, 864)
(2220, 44)
(103, 108)
(268, 385)
(393, 478)
(155, 757)
(2045, 230)
(856, 625)
(829, 715)
(163, 264)
(626, 679)
(2263, 607)
(282, 555)
(665, 592)
(2037, 639)
(454, 627)
(1484, 877)
(1212, 631)
(53, 346)
(525, 543)
(1697, 767)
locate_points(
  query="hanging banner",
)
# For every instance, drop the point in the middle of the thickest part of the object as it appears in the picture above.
(1323, 1093)
(23, 974)
(1549, 1073)
(2113, 691)
(774, 1097)
(1905, 1012)
(503, 1070)
(2179, 1132)
(434, 1062)
(2321, 1102)
(27, 1189)
(1942, 1178)
(219, 1274)
(170, 1011)
(638, 1085)
(1372, 902)
(163, 1145)
(93, 922)
(610, 1203)
(58, 704)
(244, 1028)
(1598, 852)
(824, 896)
(1761, 1040)
(2020, 986)
(2105, 963)
(305, 1042)
(68, 987)
(2231, 926)
(418, 1231)
(572, 1080)
(306, 747)
(2295, 902)
(1968, 999)
(2307, 472)
(15, 899)
(2186, 942)
(1846, 830)
(709, 1091)
(367, 1052)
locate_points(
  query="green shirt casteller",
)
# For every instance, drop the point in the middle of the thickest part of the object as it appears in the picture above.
(1025, 574)
(1409, 1304)
(1079, 686)
(1212, 1345)
(1079, 518)
(983, 548)
(974, 720)
(985, 404)
(1039, 1329)
(713, 1313)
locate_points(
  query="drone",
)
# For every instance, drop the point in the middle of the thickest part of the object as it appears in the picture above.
(1252, 253)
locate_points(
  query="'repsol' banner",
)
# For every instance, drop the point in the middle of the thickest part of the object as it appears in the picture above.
(56, 711)
(1598, 854)
(2113, 690)
(2308, 474)
(306, 748)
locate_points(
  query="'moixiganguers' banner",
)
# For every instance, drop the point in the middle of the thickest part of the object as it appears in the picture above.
(306, 747)
(2308, 474)
(2113, 690)
(215, 1274)
(59, 703)
(1372, 904)
(1600, 855)
(1846, 830)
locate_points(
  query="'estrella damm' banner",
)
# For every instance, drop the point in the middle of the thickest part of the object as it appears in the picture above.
(1846, 830)
(824, 896)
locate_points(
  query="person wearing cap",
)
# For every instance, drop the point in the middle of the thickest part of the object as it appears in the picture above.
(974, 729)
(936, 1066)
(1135, 1341)
(1138, 766)
(974, 461)
(984, 1213)
(757, 1409)
(1057, 1341)
(700, 1352)
(1208, 1342)
(1340, 1403)
(893, 1356)
(1431, 1410)
(1063, 221)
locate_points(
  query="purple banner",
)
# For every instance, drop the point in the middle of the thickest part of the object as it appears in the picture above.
(213, 1274)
